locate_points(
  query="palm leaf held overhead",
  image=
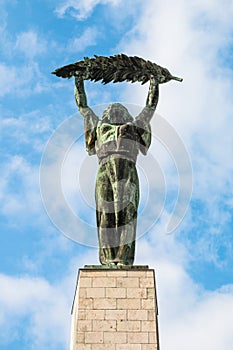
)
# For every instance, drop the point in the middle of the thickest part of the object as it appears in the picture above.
(116, 68)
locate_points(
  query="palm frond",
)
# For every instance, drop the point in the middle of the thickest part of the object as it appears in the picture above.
(116, 69)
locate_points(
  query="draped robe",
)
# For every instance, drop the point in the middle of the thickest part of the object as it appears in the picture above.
(117, 185)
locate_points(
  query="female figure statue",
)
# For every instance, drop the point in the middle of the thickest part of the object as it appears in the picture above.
(117, 138)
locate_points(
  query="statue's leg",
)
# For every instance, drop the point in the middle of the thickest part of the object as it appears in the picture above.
(105, 216)
(127, 232)
(125, 188)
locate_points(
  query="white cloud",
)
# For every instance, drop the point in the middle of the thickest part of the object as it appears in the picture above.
(45, 306)
(27, 129)
(83, 8)
(88, 38)
(19, 192)
(21, 77)
(22, 80)
(189, 313)
(30, 44)
(8, 79)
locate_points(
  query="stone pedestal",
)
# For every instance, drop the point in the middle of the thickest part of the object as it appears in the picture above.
(115, 310)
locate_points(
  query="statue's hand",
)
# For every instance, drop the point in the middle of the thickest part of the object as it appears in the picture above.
(153, 93)
(153, 81)
(78, 77)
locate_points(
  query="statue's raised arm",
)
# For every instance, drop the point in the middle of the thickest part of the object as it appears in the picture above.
(90, 119)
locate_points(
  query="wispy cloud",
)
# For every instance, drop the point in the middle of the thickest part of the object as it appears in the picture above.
(86, 39)
(19, 180)
(81, 9)
(30, 44)
(22, 79)
(20, 68)
(8, 79)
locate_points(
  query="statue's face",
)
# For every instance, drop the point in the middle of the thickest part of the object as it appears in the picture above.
(116, 113)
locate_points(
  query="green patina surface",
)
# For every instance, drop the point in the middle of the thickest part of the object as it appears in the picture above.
(116, 267)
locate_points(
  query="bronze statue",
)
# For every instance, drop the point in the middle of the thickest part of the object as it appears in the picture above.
(117, 139)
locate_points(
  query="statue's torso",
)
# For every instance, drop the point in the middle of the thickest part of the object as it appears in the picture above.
(119, 140)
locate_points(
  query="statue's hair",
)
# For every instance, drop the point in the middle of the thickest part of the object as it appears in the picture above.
(116, 113)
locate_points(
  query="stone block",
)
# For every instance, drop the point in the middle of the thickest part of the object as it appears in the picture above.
(148, 326)
(141, 315)
(129, 304)
(130, 282)
(104, 325)
(115, 338)
(94, 337)
(148, 304)
(115, 292)
(93, 273)
(138, 338)
(95, 314)
(146, 282)
(115, 315)
(128, 326)
(136, 293)
(104, 282)
(103, 303)
(95, 292)
(151, 315)
(84, 325)
(85, 304)
(85, 282)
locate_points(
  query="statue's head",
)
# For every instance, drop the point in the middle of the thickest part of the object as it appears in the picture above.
(116, 113)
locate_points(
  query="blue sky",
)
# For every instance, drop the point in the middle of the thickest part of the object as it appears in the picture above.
(38, 263)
